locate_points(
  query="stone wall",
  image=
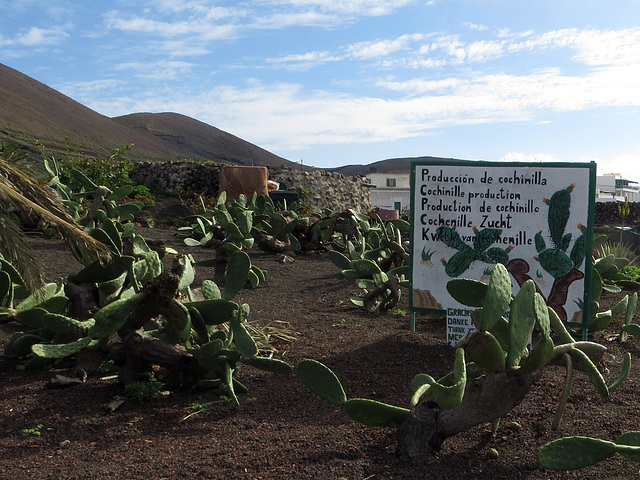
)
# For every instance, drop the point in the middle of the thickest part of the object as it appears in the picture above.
(319, 188)
(177, 177)
(606, 213)
(324, 189)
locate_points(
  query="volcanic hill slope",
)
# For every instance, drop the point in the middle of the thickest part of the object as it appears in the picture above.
(31, 111)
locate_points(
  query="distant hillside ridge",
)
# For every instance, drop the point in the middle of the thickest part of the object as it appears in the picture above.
(31, 111)
(391, 165)
(198, 140)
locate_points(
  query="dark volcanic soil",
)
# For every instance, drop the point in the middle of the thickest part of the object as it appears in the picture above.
(281, 430)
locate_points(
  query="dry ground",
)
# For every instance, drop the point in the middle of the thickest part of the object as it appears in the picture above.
(281, 431)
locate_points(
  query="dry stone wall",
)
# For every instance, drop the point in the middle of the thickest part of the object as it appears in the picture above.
(177, 177)
(606, 213)
(324, 189)
(321, 189)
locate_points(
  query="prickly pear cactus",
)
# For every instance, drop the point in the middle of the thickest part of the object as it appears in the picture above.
(572, 453)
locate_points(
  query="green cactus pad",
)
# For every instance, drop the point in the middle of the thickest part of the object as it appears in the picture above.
(6, 290)
(178, 320)
(571, 453)
(198, 325)
(621, 306)
(31, 318)
(214, 383)
(110, 318)
(273, 365)
(237, 271)
(558, 327)
(63, 324)
(206, 355)
(602, 265)
(46, 350)
(539, 356)
(366, 267)
(35, 299)
(594, 374)
(14, 275)
(20, 344)
(114, 234)
(187, 276)
(483, 348)
(624, 373)
(253, 279)
(215, 312)
(448, 395)
(102, 236)
(375, 414)
(419, 380)
(322, 381)
(210, 290)
(600, 321)
(353, 274)
(522, 321)
(631, 308)
(228, 380)
(541, 312)
(498, 297)
(629, 439)
(96, 272)
(467, 291)
(245, 343)
(339, 260)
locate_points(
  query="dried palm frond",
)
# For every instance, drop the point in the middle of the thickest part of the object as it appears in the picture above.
(17, 251)
(23, 194)
(262, 334)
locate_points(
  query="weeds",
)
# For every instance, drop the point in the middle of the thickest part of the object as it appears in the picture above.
(33, 432)
(143, 391)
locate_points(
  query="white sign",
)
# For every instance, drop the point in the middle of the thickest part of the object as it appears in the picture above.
(533, 218)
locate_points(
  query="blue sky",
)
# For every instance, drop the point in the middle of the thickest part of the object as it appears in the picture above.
(337, 82)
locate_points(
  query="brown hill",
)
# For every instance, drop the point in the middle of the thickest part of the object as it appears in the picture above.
(197, 140)
(31, 111)
(391, 165)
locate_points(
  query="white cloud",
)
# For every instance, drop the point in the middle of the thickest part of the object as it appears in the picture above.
(35, 37)
(357, 7)
(627, 164)
(475, 26)
(523, 157)
(381, 48)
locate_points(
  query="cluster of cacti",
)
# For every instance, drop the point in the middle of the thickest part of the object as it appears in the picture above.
(602, 269)
(378, 261)
(513, 338)
(480, 251)
(40, 313)
(571, 453)
(132, 290)
(609, 268)
(80, 188)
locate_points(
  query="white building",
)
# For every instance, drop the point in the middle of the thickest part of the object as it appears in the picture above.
(611, 187)
(390, 190)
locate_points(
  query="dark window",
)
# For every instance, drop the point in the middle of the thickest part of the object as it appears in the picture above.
(391, 182)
